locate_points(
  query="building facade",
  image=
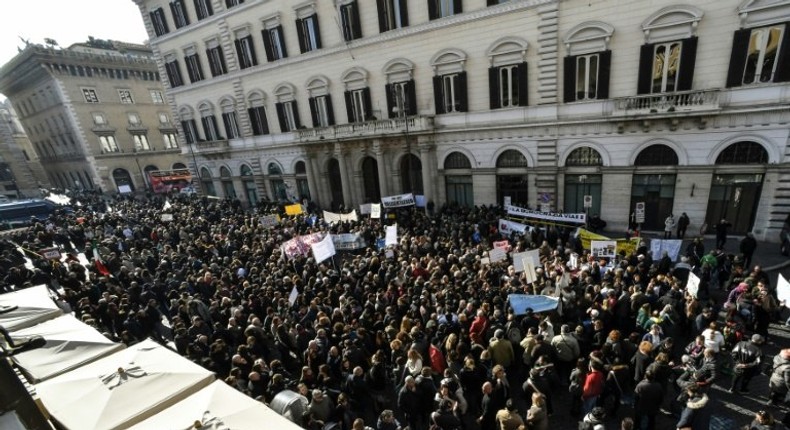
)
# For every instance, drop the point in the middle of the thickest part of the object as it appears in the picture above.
(21, 174)
(94, 113)
(682, 106)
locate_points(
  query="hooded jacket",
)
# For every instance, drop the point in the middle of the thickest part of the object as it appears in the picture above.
(694, 414)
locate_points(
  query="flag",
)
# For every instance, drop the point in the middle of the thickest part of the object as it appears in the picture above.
(97, 261)
(292, 297)
(167, 205)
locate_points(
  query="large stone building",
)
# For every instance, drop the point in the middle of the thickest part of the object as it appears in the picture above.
(21, 174)
(683, 106)
(95, 113)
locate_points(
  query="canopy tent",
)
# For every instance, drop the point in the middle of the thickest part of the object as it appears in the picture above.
(217, 406)
(34, 305)
(70, 344)
(521, 302)
(122, 389)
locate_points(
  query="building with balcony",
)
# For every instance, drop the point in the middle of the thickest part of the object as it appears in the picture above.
(94, 113)
(682, 106)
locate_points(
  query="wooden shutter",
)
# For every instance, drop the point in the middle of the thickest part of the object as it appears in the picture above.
(493, 88)
(389, 90)
(569, 81)
(297, 121)
(604, 69)
(438, 92)
(411, 97)
(368, 104)
(432, 12)
(463, 100)
(349, 106)
(645, 68)
(175, 14)
(492, 2)
(281, 117)
(239, 53)
(281, 34)
(300, 34)
(267, 45)
(782, 73)
(255, 126)
(313, 111)
(330, 111)
(740, 47)
(356, 26)
(253, 57)
(688, 56)
(523, 84)
(457, 6)
(382, 18)
(317, 31)
(404, 13)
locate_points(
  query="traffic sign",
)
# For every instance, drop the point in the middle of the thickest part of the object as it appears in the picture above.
(639, 212)
(587, 201)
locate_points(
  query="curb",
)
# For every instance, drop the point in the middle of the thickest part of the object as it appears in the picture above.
(777, 267)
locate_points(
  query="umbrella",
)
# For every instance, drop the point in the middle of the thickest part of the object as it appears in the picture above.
(70, 344)
(122, 389)
(218, 406)
(34, 305)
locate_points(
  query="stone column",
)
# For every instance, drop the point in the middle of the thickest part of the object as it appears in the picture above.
(382, 166)
(427, 172)
(344, 176)
(312, 184)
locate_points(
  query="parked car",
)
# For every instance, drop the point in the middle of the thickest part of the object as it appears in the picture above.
(784, 237)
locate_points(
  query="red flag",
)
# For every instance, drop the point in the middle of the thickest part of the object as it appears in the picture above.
(102, 268)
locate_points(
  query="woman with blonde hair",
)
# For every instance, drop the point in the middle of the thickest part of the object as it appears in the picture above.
(537, 417)
(413, 362)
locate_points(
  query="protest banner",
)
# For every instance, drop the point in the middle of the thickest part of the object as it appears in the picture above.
(375, 210)
(348, 241)
(672, 247)
(537, 303)
(496, 254)
(603, 248)
(628, 246)
(324, 249)
(397, 201)
(269, 220)
(508, 227)
(331, 217)
(300, 245)
(294, 209)
(558, 217)
(391, 235)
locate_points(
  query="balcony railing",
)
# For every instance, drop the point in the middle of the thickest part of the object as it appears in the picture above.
(211, 146)
(383, 127)
(679, 102)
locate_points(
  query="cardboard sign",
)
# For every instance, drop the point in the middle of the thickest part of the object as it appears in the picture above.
(50, 253)
(294, 209)
(391, 235)
(497, 254)
(167, 217)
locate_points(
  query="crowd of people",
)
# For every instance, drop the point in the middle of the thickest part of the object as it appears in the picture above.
(419, 334)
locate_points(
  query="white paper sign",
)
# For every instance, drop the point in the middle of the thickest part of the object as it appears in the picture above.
(533, 255)
(574, 261)
(124, 189)
(391, 236)
(603, 248)
(497, 254)
(292, 297)
(364, 209)
(269, 220)
(783, 290)
(507, 201)
(529, 270)
(167, 217)
(375, 210)
(658, 246)
(167, 205)
(485, 261)
(692, 285)
(324, 249)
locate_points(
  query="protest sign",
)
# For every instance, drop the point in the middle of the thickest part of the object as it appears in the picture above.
(518, 258)
(397, 201)
(375, 210)
(529, 270)
(504, 244)
(324, 249)
(692, 284)
(364, 209)
(348, 241)
(603, 248)
(166, 217)
(391, 236)
(420, 201)
(294, 209)
(496, 254)
(269, 220)
(783, 290)
(672, 247)
(508, 227)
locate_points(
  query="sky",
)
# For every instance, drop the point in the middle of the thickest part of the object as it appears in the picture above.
(67, 22)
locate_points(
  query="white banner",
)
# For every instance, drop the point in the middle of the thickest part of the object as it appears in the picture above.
(577, 218)
(269, 220)
(391, 236)
(323, 249)
(692, 284)
(364, 209)
(332, 217)
(783, 290)
(167, 217)
(348, 241)
(496, 254)
(507, 227)
(603, 248)
(397, 201)
(532, 255)
(375, 210)
(672, 247)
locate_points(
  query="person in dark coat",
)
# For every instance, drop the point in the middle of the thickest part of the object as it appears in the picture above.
(721, 233)
(696, 411)
(641, 360)
(410, 402)
(648, 396)
(747, 248)
(683, 223)
(487, 418)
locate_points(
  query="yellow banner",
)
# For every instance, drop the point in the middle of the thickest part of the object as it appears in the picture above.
(295, 209)
(627, 246)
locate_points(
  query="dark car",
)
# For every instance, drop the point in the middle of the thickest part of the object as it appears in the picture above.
(784, 237)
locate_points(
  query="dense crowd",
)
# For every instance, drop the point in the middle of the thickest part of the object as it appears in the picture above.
(419, 334)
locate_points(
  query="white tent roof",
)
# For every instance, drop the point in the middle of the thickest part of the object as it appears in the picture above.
(70, 344)
(220, 405)
(35, 306)
(122, 389)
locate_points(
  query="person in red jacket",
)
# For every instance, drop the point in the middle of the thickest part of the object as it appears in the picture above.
(479, 325)
(593, 387)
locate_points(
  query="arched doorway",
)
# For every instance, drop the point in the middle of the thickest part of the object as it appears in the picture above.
(302, 184)
(411, 174)
(335, 183)
(123, 181)
(370, 179)
(511, 178)
(656, 190)
(458, 180)
(250, 189)
(582, 179)
(735, 196)
(279, 190)
(207, 182)
(227, 183)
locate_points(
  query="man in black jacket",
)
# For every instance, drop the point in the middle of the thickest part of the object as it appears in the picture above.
(648, 396)
(748, 357)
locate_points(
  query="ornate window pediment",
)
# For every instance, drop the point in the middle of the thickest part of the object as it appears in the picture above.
(672, 23)
(588, 37)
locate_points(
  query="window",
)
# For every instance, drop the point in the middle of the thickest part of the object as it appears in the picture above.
(203, 9)
(194, 69)
(442, 8)
(231, 125)
(134, 119)
(667, 67)
(216, 61)
(657, 155)
(358, 105)
(141, 143)
(309, 34)
(743, 153)
(246, 52)
(349, 21)
(508, 85)
(230, 3)
(159, 22)
(125, 96)
(156, 97)
(759, 55)
(321, 111)
(495, 2)
(288, 116)
(179, 11)
(210, 129)
(98, 119)
(90, 95)
(174, 73)
(108, 144)
(169, 140)
(164, 119)
(393, 14)
(587, 76)
(584, 156)
(401, 99)
(260, 125)
(190, 131)
(274, 43)
(450, 93)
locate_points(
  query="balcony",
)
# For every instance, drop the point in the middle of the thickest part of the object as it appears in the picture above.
(377, 128)
(682, 102)
(211, 146)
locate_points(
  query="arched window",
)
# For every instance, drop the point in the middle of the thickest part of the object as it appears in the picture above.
(302, 185)
(207, 182)
(657, 155)
(245, 170)
(743, 153)
(584, 156)
(227, 182)
(224, 172)
(511, 158)
(274, 169)
(300, 168)
(179, 166)
(457, 160)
